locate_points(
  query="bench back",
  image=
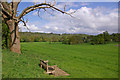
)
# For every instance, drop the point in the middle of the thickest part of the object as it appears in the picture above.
(44, 64)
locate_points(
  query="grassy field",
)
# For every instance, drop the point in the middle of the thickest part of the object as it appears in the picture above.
(80, 61)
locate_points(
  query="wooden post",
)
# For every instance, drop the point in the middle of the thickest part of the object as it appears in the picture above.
(47, 66)
(40, 63)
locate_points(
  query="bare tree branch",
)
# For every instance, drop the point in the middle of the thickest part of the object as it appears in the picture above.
(38, 12)
(41, 6)
(25, 23)
(54, 3)
(64, 8)
(14, 6)
(45, 5)
(73, 12)
(5, 5)
(31, 8)
(49, 12)
(5, 9)
(61, 11)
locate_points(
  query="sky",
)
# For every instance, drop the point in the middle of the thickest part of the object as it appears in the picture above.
(89, 18)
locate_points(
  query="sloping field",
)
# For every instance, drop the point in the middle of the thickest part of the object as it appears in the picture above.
(80, 61)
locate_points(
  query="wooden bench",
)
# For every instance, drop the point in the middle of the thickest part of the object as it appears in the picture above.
(44, 64)
(48, 69)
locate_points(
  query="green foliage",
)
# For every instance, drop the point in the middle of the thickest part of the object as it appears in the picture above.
(68, 38)
(65, 40)
(115, 37)
(38, 37)
(80, 61)
(5, 36)
(72, 39)
(44, 37)
(101, 38)
(76, 39)
(106, 37)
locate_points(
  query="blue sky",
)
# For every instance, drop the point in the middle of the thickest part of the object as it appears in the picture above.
(91, 18)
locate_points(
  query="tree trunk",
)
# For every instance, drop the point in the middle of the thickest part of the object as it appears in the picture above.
(15, 39)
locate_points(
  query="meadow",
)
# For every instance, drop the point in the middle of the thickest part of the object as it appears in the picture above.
(80, 61)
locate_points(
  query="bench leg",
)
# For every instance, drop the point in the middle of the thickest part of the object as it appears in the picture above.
(47, 67)
(41, 66)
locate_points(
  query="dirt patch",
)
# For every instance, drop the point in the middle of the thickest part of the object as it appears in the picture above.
(57, 71)
(60, 72)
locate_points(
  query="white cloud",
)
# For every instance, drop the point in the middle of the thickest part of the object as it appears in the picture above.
(87, 21)
(29, 26)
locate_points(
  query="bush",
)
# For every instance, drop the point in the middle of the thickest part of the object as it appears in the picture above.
(76, 40)
(66, 40)
(101, 38)
(5, 36)
(72, 40)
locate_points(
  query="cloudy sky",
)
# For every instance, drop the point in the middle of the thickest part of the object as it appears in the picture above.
(89, 18)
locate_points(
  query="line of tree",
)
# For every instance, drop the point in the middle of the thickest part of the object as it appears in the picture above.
(74, 39)
(103, 38)
(70, 39)
(50, 37)
(38, 37)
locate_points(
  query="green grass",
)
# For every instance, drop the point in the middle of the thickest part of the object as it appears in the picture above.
(80, 61)
(0, 63)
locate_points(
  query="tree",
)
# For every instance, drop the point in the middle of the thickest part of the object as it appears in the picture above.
(72, 39)
(76, 39)
(106, 36)
(66, 40)
(115, 37)
(9, 15)
(101, 38)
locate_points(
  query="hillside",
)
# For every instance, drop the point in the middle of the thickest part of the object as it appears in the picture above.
(80, 61)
